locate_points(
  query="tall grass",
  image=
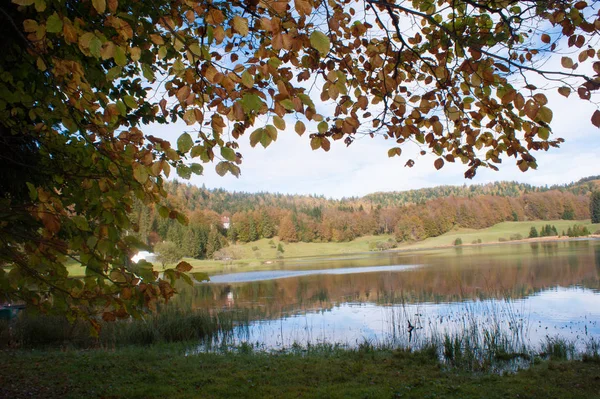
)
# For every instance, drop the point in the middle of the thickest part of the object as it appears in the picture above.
(168, 325)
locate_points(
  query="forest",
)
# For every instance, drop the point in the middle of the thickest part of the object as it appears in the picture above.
(217, 217)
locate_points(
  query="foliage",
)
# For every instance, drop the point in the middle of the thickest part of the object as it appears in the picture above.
(458, 241)
(578, 231)
(595, 207)
(167, 252)
(548, 231)
(533, 233)
(79, 81)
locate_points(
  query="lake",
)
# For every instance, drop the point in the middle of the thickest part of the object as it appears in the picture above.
(524, 293)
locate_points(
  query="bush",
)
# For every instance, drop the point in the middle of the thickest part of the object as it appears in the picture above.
(458, 241)
(578, 231)
(280, 248)
(502, 239)
(255, 248)
(516, 237)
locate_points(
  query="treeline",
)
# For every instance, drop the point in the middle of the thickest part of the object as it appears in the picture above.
(224, 202)
(315, 219)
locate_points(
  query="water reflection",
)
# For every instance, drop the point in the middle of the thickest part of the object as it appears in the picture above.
(342, 300)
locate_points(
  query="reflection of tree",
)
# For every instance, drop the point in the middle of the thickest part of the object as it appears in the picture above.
(474, 274)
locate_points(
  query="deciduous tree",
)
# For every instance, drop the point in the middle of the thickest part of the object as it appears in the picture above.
(80, 81)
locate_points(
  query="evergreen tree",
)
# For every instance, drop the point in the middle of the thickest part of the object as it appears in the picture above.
(214, 243)
(595, 207)
(268, 229)
(533, 233)
(252, 233)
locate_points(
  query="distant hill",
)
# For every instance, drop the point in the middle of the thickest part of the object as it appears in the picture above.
(221, 201)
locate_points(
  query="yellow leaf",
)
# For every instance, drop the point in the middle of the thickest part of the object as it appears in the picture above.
(99, 5)
(279, 122)
(300, 128)
(320, 41)
(23, 2)
(247, 79)
(240, 25)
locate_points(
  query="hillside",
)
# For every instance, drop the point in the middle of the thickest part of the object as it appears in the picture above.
(218, 218)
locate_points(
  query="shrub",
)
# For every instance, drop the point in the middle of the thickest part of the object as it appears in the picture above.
(516, 237)
(458, 241)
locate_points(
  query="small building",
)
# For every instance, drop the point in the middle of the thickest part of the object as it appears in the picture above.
(225, 221)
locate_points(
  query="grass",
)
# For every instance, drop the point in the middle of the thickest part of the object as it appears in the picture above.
(325, 372)
(493, 234)
(168, 325)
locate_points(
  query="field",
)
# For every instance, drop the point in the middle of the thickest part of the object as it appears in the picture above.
(493, 234)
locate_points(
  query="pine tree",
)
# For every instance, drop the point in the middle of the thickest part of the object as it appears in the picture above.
(252, 233)
(595, 207)
(533, 233)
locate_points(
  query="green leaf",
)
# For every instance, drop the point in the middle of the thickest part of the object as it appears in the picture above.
(300, 128)
(184, 143)
(228, 153)
(95, 47)
(279, 122)
(54, 24)
(140, 173)
(163, 211)
(543, 133)
(255, 137)
(251, 103)
(196, 168)
(32, 191)
(222, 168)
(322, 127)
(247, 79)
(119, 56)
(184, 171)
(287, 104)
(320, 42)
(130, 102)
(271, 131)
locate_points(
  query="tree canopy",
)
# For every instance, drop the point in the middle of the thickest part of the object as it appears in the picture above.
(80, 81)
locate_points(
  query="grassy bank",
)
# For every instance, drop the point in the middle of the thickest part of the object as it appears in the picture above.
(495, 233)
(164, 371)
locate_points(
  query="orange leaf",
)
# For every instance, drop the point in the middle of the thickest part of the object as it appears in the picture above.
(183, 266)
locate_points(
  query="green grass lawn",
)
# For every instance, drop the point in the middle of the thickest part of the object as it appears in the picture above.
(165, 372)
(501, 230)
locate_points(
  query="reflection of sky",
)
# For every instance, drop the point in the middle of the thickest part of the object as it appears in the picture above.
(571, 313)
(277, 274)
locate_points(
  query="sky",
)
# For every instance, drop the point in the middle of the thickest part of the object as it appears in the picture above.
(290, 166)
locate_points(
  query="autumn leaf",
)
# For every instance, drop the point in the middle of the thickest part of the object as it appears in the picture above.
(320, 42)
(99, 5)
(240, 25)
(183, 267)
(300, 128)
(184, 143)
(596, 118)
(439, 163)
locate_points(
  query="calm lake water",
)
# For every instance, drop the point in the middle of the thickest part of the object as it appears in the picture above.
(521, 292)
